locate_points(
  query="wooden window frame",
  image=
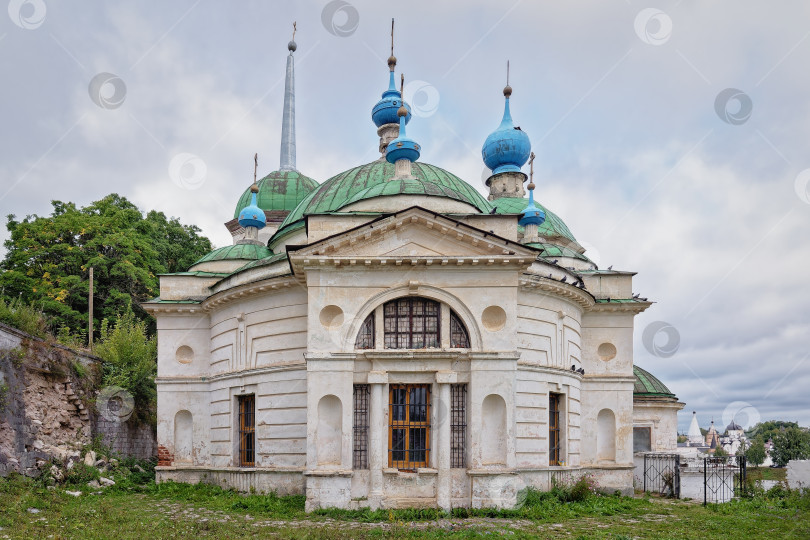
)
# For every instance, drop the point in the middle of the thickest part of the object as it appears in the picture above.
(409, 320)
(360, 430)
(458, 426)
(408, 425)
(247, 430)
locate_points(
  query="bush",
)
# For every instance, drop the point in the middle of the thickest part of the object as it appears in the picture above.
(23, 317)
(130, 362)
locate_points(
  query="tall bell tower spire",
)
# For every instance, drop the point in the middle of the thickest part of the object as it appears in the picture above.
(287, 160)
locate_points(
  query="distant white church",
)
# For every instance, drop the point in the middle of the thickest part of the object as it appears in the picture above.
(392, 338)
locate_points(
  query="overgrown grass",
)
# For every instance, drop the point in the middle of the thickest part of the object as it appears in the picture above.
(137, 508)
(24, 317)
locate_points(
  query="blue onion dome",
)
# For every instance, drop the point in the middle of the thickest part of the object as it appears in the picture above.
(385, 111)
(402, 147)
(507, 148)
(532, 215)
(252, 215)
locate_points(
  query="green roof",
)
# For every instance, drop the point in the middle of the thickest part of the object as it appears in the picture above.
(248, 252)
(279, 190)
(373, 180)
(553, 226)
(648, 385)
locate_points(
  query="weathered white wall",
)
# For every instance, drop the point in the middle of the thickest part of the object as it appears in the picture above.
(798, 473)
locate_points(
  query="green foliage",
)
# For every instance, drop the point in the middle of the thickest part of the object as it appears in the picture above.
(130, 361)
(80, 474)
(77, 340)
(755, 454)
(48, 258)
(767, 430)
(720, 452)
(15, 356)
(23, 316)
(790, 443)
(3, 397)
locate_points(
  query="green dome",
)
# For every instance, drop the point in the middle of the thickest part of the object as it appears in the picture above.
(279, 190)
(372, 180)
(648, 385)
(246, 252)
(553, 226)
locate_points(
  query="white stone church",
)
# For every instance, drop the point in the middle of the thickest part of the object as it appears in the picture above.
(392, 338)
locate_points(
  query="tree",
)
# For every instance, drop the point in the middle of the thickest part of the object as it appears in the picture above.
(790, 443)
(720, 452)
(47, 258)
(755, 455)
(767, 430)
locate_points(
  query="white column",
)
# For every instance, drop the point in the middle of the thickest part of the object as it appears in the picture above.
(376, 440)
(442, 447)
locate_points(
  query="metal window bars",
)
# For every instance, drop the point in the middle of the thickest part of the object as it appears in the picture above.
(459, 339)
(554, 444)
(247, 430)
(365, 337)
(360, 430)
(458, 426)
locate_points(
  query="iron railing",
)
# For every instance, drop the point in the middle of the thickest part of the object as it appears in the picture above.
(662, 474)
(723, 478)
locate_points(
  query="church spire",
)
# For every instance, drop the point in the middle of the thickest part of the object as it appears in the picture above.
(287, 160)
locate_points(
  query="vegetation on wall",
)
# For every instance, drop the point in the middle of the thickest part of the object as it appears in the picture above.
(129, 357)
(48, 259)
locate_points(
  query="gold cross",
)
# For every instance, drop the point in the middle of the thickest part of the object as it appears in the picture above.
(255, 166)
(293, 38)
(531, 166)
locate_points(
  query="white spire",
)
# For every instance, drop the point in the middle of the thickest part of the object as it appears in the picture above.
(695, 436)
(287, 160)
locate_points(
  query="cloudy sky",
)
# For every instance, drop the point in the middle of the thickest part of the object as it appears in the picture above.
(672, 137)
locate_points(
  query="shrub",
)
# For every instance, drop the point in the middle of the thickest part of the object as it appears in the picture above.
(130, 361)
(24, 317)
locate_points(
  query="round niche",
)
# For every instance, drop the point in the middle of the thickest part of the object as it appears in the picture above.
(493, 318)
(184, 354)
(331, 317)
(606, 352)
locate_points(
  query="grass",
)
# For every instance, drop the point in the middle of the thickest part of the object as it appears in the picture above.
(137, 508)
(755, 474)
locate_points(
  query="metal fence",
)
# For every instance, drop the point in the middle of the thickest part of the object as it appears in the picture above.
(723, 478)
(662, 474)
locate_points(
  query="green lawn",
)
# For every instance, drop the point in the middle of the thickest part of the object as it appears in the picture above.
(132, 510)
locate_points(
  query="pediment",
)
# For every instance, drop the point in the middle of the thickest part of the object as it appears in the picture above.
(413, 233)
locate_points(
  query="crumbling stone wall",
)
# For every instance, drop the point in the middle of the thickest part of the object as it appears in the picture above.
(46, 406)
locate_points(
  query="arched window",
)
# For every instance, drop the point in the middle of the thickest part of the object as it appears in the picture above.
(459, 339)
(411, 323)
(365, 337)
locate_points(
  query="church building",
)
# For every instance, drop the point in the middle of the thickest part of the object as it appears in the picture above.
(390, 337)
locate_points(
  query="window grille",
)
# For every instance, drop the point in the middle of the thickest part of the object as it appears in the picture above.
(458, 426)
(360, 448)
(458, 333)
(365, 337)
(554, 429)
(247, 430)
(409, 428)
(411, 323)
